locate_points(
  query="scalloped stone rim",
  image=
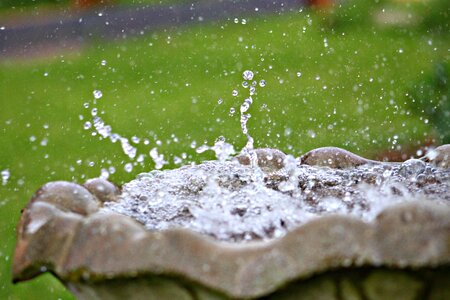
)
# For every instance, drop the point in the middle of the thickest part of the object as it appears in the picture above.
(70, 237)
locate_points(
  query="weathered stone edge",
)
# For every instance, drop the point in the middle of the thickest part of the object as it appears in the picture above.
(61, 230)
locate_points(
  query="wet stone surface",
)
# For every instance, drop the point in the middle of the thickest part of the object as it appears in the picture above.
(234, 202)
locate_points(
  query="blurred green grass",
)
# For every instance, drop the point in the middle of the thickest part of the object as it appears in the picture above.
(351, 94)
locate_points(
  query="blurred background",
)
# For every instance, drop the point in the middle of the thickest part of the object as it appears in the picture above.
(106, 88)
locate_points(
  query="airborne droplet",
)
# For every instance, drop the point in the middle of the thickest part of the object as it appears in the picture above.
(97, 94)
(247, 75)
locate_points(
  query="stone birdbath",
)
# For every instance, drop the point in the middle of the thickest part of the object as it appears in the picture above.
(327, 225)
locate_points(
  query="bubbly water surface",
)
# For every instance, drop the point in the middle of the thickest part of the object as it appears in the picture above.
(234, 202)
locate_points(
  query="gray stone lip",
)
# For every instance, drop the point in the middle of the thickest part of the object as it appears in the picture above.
(62, 230)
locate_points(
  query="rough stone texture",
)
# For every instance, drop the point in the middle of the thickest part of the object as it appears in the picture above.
(333, 157)
(102, 255)
(440, 157)
(104, 190)
(99, 246)
(67, 196)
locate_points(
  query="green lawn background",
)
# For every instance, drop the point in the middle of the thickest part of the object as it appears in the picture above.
(351, 94)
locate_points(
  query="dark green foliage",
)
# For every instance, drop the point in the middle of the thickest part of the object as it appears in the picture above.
(5, 4)
(354, 12)
(436, 16)
(430, 95)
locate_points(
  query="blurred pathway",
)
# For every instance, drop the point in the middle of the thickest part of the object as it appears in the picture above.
(69, 30)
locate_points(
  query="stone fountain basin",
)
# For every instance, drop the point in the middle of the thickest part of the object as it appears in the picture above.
(403, 254)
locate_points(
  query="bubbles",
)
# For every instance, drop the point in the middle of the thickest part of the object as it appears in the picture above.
(103, 62)
(299, 74)
(97, 94)
(234, 93)
(247, 75)
(5, 176)
(87, 125)
(412, 168)
(232, 111)
(236, 202)
(262, 83)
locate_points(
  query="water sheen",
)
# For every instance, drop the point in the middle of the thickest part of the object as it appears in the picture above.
(234, 202)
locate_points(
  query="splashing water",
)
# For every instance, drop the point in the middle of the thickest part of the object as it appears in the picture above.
(105, 132)
(222, 149)
(245, 106)
(157, 158)
(228, 201)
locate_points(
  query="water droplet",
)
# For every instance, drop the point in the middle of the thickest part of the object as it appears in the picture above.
(177, 160)
(245, 84)
(236, 20)
(97, 94)
(202, 149)
(262, 83)
(94, 112)
(103, 63)
(247, 75)
(220, 101)
(243, 21)
(104, 173)
(87, 125)
(128, 167)
(46, 74)
(232, 111)
(5, 176)
(299, 74)
(235, 93)
(127, 148)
